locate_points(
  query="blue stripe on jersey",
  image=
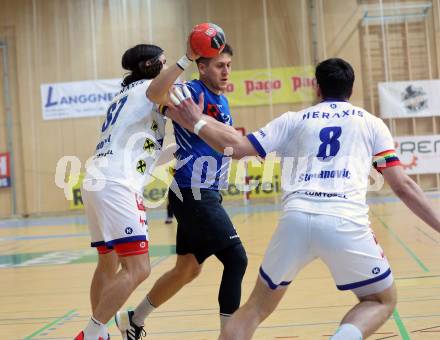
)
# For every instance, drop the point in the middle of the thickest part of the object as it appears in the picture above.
(213, 174)
(351, 286)
(126, 240)
(254, 141)
(179, 134)
(270, 282)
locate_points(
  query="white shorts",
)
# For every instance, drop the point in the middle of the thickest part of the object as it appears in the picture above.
(350, 251)
(116, 216)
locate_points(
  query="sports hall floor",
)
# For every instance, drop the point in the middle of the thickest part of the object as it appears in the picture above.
(46, 267)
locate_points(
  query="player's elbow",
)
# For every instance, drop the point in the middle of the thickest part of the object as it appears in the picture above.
(242, 148)
(154, 95)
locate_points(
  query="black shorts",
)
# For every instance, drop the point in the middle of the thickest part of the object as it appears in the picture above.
(204, 228)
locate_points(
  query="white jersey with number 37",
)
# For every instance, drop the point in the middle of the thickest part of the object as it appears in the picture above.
(326, 151)
(131, 139)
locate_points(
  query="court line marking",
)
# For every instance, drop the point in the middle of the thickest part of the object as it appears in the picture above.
(402, 243)
(65, 316)
(111, 321)
(402, 330)
(427, 235)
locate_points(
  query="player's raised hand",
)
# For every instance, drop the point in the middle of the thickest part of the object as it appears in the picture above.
(190, 52)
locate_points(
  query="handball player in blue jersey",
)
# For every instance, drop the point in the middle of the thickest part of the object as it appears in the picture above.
(204, 228)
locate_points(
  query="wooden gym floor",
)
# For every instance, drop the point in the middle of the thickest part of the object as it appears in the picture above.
(46, 267)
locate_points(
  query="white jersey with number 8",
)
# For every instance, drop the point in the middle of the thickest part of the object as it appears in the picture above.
(327, 151)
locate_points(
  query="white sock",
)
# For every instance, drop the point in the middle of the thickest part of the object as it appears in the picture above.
(95, 329)
(142, 311)
(347, 331)
(224, 318)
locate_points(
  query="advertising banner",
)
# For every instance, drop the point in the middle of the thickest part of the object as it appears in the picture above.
(403, 99)
(78, 99)
(419, 154)
(280, 85)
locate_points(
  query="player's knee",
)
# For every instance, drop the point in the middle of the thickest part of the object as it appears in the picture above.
(192, 272)
(387, 298)
(235, 258)
(139, 269)
(143, 272)
(187, 272)
(390, 303)
(241, 260)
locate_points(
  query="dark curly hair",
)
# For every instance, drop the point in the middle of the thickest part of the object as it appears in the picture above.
(335, 78)
(134, 60)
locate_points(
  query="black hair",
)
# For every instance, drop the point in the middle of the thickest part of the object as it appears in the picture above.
(335, 78)
(134, 60)
(227, 50)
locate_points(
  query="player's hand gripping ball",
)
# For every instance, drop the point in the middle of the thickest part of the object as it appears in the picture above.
(207, 40)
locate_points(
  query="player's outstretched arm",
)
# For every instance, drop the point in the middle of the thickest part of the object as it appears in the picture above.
(411, 194)
(157, 92)
(222, 137)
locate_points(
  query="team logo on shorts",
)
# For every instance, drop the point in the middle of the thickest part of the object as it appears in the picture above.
(142, 244)
(129, 230)
(376, 270)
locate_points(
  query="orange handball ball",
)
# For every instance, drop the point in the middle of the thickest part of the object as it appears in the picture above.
(207, 40)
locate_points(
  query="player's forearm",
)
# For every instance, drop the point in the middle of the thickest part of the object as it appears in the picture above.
(414, 198)
(221, 136)
(157, 92)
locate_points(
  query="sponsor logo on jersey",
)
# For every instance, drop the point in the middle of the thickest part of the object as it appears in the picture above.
(141, 166)
(129, 230)
(104, 154)
(102, 143)
(149, 145)
(318, 194)
(213, 110)
(332, 115)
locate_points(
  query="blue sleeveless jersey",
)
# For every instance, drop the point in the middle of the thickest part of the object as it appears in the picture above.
(199, 165)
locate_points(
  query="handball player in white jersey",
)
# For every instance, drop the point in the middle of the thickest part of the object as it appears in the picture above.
(131, 139)
(327, 151)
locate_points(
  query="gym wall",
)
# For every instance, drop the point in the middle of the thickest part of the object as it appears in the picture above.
(60, 41)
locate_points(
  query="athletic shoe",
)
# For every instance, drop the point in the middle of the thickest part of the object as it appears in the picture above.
(129, 330)
(80, 336)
